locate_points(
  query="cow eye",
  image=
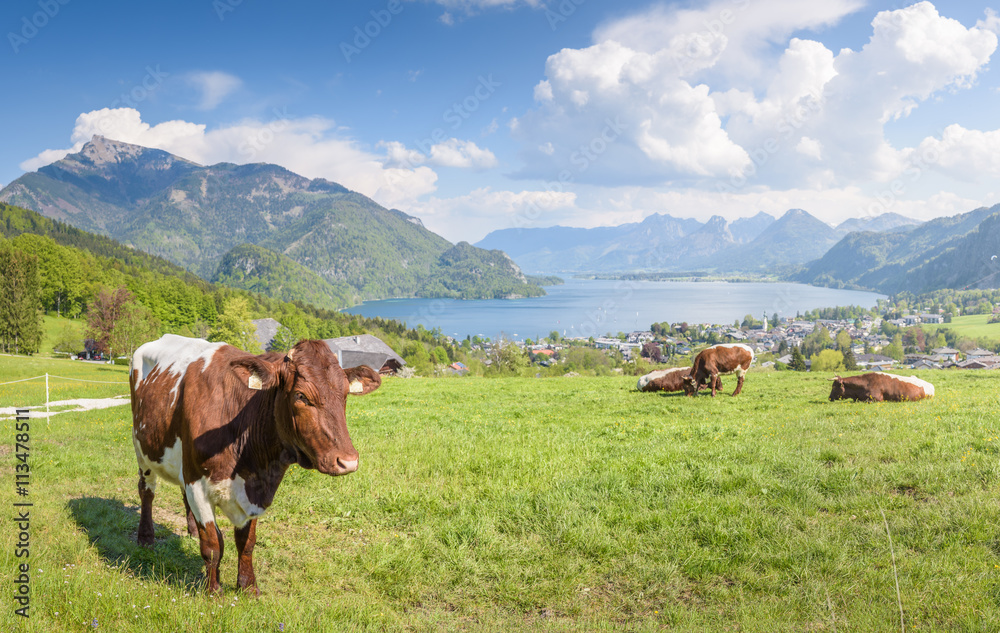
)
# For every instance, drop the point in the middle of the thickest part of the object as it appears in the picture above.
(301, 398)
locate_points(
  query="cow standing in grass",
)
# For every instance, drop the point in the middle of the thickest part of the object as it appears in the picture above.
(712, 362)
(878, 387)
(664, 380)
(225, 425)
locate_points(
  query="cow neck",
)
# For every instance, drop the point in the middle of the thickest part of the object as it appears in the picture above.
(260, 443)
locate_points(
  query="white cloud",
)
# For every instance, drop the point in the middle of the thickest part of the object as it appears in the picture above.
(472, 216)
(312, 147)
(965, 155)
(452, 152)
(214, 86)
(809, 102)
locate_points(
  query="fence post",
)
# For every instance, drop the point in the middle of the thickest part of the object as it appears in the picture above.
(48, 418)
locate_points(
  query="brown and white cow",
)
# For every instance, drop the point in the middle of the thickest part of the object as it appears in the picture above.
(877, 387)
(225, 425)
(664, 379)
(710, 363)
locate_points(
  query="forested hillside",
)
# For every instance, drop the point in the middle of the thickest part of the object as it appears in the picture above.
(193, 215)
(266, 272)
(74, 272)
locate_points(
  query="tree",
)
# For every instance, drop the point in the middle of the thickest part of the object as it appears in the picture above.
(439, 355)
(20, 286)
(236, 326)
(102, 314)
(652, 351)
(895, 349)
(828, 360)
(798, 360)
(844, 340)
(506, 357)
(284, 340)
(850, 362)
(135, 325)
(69, 340)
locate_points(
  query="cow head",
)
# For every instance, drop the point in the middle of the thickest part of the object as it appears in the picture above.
(310, 404)
(838, 391)
(690, 384)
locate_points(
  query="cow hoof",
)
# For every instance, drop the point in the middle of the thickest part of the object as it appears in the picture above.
(251, 590)
(146, 541)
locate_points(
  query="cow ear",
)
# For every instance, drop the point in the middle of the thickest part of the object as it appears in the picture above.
(255, 373)
(362, 379)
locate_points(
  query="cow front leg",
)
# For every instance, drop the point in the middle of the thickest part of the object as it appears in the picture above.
(714, 379)
(246, 538)
(191, 523)
(147, 486)
(210, 538)
(739, 383)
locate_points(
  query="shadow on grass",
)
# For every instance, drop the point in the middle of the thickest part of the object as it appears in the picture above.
(111, 527)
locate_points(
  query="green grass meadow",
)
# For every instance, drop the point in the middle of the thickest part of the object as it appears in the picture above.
(559, 504)
(975, 326)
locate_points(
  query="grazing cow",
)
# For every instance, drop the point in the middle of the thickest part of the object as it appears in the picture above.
(225, 425)
(876, 387)
(664, 380)
(710, 363)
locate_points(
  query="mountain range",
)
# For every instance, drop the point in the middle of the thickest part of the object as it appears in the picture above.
(263, 228)
(760, 243)
(195, 215)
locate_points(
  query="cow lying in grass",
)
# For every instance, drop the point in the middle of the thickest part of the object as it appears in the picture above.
(877, 387)
(664, 379)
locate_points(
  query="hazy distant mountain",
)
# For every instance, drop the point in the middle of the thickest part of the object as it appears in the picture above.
(794, 238)
(950, 252)
(663, 243)
(747, 229)
(879, 223)
(193, 215)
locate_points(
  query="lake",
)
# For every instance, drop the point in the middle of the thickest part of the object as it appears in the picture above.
(593, 307)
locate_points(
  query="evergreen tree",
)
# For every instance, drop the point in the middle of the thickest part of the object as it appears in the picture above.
(798, 360)
(20, 287)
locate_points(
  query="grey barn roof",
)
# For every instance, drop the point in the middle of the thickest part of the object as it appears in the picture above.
(266, 330)
(362, 349)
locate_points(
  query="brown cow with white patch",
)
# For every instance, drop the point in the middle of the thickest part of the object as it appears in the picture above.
(664, 379)
(710, 363)
(878, 387)
(225, 425)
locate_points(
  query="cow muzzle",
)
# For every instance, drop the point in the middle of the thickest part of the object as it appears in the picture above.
(338, 466)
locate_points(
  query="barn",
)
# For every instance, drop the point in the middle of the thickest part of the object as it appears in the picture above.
(365, 349)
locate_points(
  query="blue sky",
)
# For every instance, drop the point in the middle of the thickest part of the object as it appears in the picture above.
(477, 115)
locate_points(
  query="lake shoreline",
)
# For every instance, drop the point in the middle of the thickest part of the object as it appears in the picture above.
(594, 307)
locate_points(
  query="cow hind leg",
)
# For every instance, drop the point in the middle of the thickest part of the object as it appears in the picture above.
(246, 538)
(147, 486)
(192, 525)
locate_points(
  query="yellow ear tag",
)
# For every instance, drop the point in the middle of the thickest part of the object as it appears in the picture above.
(255, 382)
(357, 387)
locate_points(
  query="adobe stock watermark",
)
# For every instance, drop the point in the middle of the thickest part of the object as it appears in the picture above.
(562, 12)
(699, 41)
(222, 7)
(785, 129)
(32, 25)
(258, 140)
(455, 116)
(132, 97)
(583, 157)
(364, 35)
(607, 313)
(919, 162)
